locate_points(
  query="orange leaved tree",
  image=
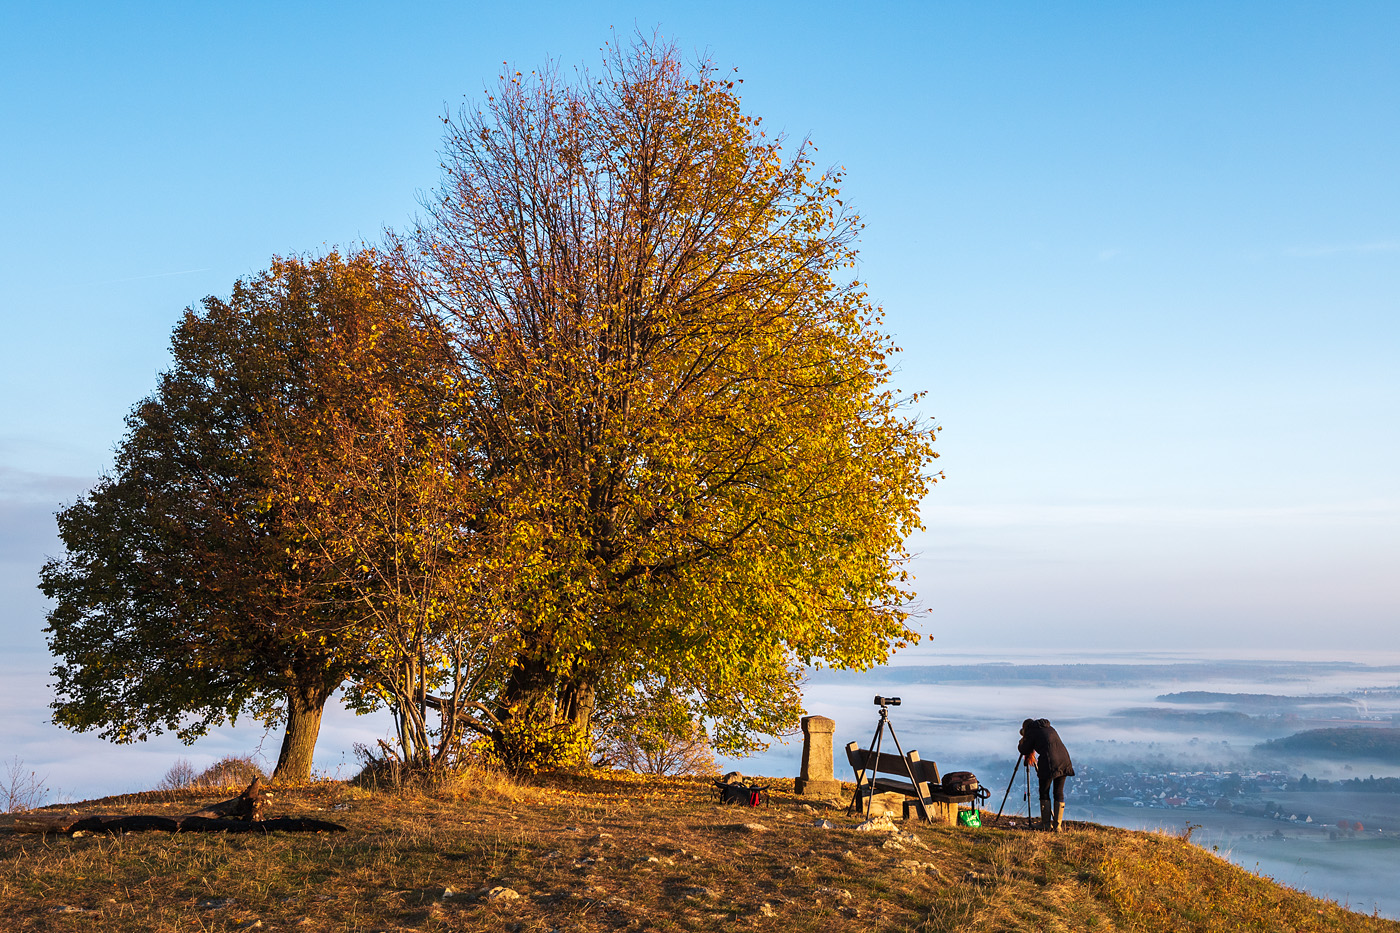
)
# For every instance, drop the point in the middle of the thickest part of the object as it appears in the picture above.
(285, 514)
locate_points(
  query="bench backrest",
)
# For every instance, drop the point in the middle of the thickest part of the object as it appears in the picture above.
(892, 765)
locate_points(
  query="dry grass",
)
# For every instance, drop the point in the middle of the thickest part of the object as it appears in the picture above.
(617, 852)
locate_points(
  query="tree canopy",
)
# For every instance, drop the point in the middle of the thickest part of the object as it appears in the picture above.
(378, 483)
(188, 595)
(683, 403)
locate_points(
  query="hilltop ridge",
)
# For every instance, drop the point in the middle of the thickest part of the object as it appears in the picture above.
(608, 851)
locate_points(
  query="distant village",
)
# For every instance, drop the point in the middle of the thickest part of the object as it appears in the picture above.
(1242, 792)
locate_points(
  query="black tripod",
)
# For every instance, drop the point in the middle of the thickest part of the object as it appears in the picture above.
(1014, 769)
(872, 761)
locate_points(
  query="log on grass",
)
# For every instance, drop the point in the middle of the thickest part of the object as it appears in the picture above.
(278, 824)
(43, 822)
(147, 822)
(95, 823)
(133, 823)
(139, 823)
(241, 814)
(246, 806)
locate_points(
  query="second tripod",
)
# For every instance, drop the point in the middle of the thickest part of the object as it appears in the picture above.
(866, 780)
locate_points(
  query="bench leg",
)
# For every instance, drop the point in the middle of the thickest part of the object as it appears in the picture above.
(924, 808)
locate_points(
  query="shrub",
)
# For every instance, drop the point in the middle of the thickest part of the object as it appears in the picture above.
(20, 789)
(380, 768)
(233, 771)
(657, 738)
(180, 776)
(529, 741)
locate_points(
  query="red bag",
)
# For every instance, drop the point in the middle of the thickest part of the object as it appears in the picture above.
(744, 795)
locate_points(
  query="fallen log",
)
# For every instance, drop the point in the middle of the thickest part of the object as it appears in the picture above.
(277, 824)
(246, 806)
(145, 822)
(43, 823)
(137, 823)
(241, 814)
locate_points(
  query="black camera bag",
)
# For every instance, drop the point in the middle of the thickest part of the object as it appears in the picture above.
(960, 782)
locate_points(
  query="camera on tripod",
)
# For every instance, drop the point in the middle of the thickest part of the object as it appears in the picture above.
(887, 701)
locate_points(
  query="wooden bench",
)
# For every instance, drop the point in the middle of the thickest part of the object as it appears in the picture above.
(883, 775)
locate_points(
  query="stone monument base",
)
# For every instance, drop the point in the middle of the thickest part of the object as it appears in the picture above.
(817, 787)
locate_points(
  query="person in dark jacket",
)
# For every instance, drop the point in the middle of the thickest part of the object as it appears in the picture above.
(1041, 746)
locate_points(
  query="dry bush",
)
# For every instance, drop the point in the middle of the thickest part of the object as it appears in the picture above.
(380, 769)
(383, 771)
(233, 771)
(20, 788)
(660, 749)
(180, 776)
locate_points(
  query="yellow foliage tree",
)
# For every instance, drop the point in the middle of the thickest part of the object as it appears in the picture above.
(699, 472)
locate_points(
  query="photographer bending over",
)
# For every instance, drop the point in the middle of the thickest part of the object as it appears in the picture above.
(1041, 746)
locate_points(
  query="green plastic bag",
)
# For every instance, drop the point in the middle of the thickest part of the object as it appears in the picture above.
(969, 818)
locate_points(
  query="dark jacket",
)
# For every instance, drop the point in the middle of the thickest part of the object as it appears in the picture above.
(1051, 757)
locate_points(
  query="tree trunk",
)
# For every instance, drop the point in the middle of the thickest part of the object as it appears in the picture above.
(529, 690)
(528, 698)
(577, 702)
(305, 704)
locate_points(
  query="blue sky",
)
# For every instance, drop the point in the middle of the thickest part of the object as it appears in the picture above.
(1143, 258)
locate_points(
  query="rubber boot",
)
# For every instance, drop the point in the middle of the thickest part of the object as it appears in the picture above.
(1046, 816)
(1059, 816)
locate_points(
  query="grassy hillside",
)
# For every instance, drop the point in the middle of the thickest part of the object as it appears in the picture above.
(619, 852)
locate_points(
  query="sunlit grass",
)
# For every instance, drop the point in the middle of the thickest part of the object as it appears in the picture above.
(614, 851)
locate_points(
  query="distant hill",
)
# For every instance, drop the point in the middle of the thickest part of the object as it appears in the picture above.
(1259, 702)
(1211, 720)
(1102, 674)
(1359, 742)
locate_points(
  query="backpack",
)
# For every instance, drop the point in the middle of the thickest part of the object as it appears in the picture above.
(744, 795)
(960, 782)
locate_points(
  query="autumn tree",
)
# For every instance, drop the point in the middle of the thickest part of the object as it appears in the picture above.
(187, 595)
(379, 487)
(683, 404)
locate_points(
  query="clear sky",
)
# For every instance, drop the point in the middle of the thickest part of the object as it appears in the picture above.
(1143, 258)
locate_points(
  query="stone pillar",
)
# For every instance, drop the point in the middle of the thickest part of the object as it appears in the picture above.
(817, 779)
